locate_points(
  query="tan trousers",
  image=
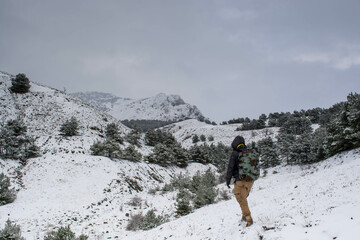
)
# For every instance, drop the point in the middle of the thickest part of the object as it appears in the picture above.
(241, 192)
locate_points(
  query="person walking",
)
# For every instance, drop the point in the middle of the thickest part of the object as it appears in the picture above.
(238, 168)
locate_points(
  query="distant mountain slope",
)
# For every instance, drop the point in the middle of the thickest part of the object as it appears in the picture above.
(44, 109)
(160, 107)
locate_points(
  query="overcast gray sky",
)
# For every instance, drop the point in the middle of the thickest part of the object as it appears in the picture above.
(230, 58)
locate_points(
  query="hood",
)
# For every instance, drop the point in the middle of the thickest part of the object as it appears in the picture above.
(238, 140)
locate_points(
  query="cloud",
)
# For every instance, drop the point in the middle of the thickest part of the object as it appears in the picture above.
(337, 61)
(97, 64)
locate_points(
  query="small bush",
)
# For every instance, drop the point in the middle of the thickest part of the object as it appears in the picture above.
(151, 220)
(70, 127)
(64, 233)
(134, 222)
(7, 194)
(202, 138)
(135, 201)
(11, 231)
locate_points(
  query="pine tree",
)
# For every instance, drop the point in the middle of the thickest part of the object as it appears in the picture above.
(195, 138)
(70, 127)
(64, 233)
(131, 154)
(268, 153)
(183, 205)
(133, 137)
(113, 133)
(151, 220)
(107, 148)
(14, 143)
(7, 194)
(20, 84)
(11, 231)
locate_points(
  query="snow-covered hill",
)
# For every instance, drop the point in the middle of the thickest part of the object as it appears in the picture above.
(89, 193)
(44, 109)
(185, 130)
(160, 107)
(316, 202)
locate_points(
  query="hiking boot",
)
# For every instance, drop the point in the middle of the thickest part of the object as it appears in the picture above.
(249, 221)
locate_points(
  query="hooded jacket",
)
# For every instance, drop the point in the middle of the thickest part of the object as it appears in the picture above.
(238, 145)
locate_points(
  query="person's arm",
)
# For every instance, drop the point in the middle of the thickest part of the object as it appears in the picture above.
(231, 167)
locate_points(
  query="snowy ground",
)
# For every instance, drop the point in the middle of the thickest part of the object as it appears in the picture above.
(321, 201)
(185, 130)
(89, 193)
(92, 195)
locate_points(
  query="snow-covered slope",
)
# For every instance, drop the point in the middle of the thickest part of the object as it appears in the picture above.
(319, 201)
(160, 107)
(44, 109)
(89, 193)
(185, 130)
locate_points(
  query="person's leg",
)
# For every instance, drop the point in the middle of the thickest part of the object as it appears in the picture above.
(241, 192)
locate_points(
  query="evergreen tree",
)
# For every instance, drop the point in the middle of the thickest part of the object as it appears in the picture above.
(14, 143)
(202, 138)
(131, 154)
(70, 127)
(183, 205)
(268, 153)
(151, 220)
(20, 84)
(107, 148)
(7, 194)
(64, 233)
(344, 130)
(134, 137)
(11, 231)
(161, 155)
(195, 138)
(112, 133)
(153, 137)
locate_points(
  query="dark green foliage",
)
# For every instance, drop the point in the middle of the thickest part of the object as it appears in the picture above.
(135, 222)
(202, 138)
(107, 148)
(200, 154)
(195, 139)
(7, 194)
(203, 186)
(153, 137)
(183, 204)
(112, 133)
(14, 143)
(211, 138)
(344, 131)
(168, 155)
(64, 233)
(151, 220)
(200, 189)
(296, 125)
(146, 125)
(131, 154)
(20, 84)
(147, 222)
(133, 137)
(70, 127)
(268, 153)
(11, 231)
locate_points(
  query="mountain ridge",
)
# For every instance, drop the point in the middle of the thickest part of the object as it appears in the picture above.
(162, 106)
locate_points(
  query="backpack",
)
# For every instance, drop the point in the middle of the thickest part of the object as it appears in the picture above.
(249, 166)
